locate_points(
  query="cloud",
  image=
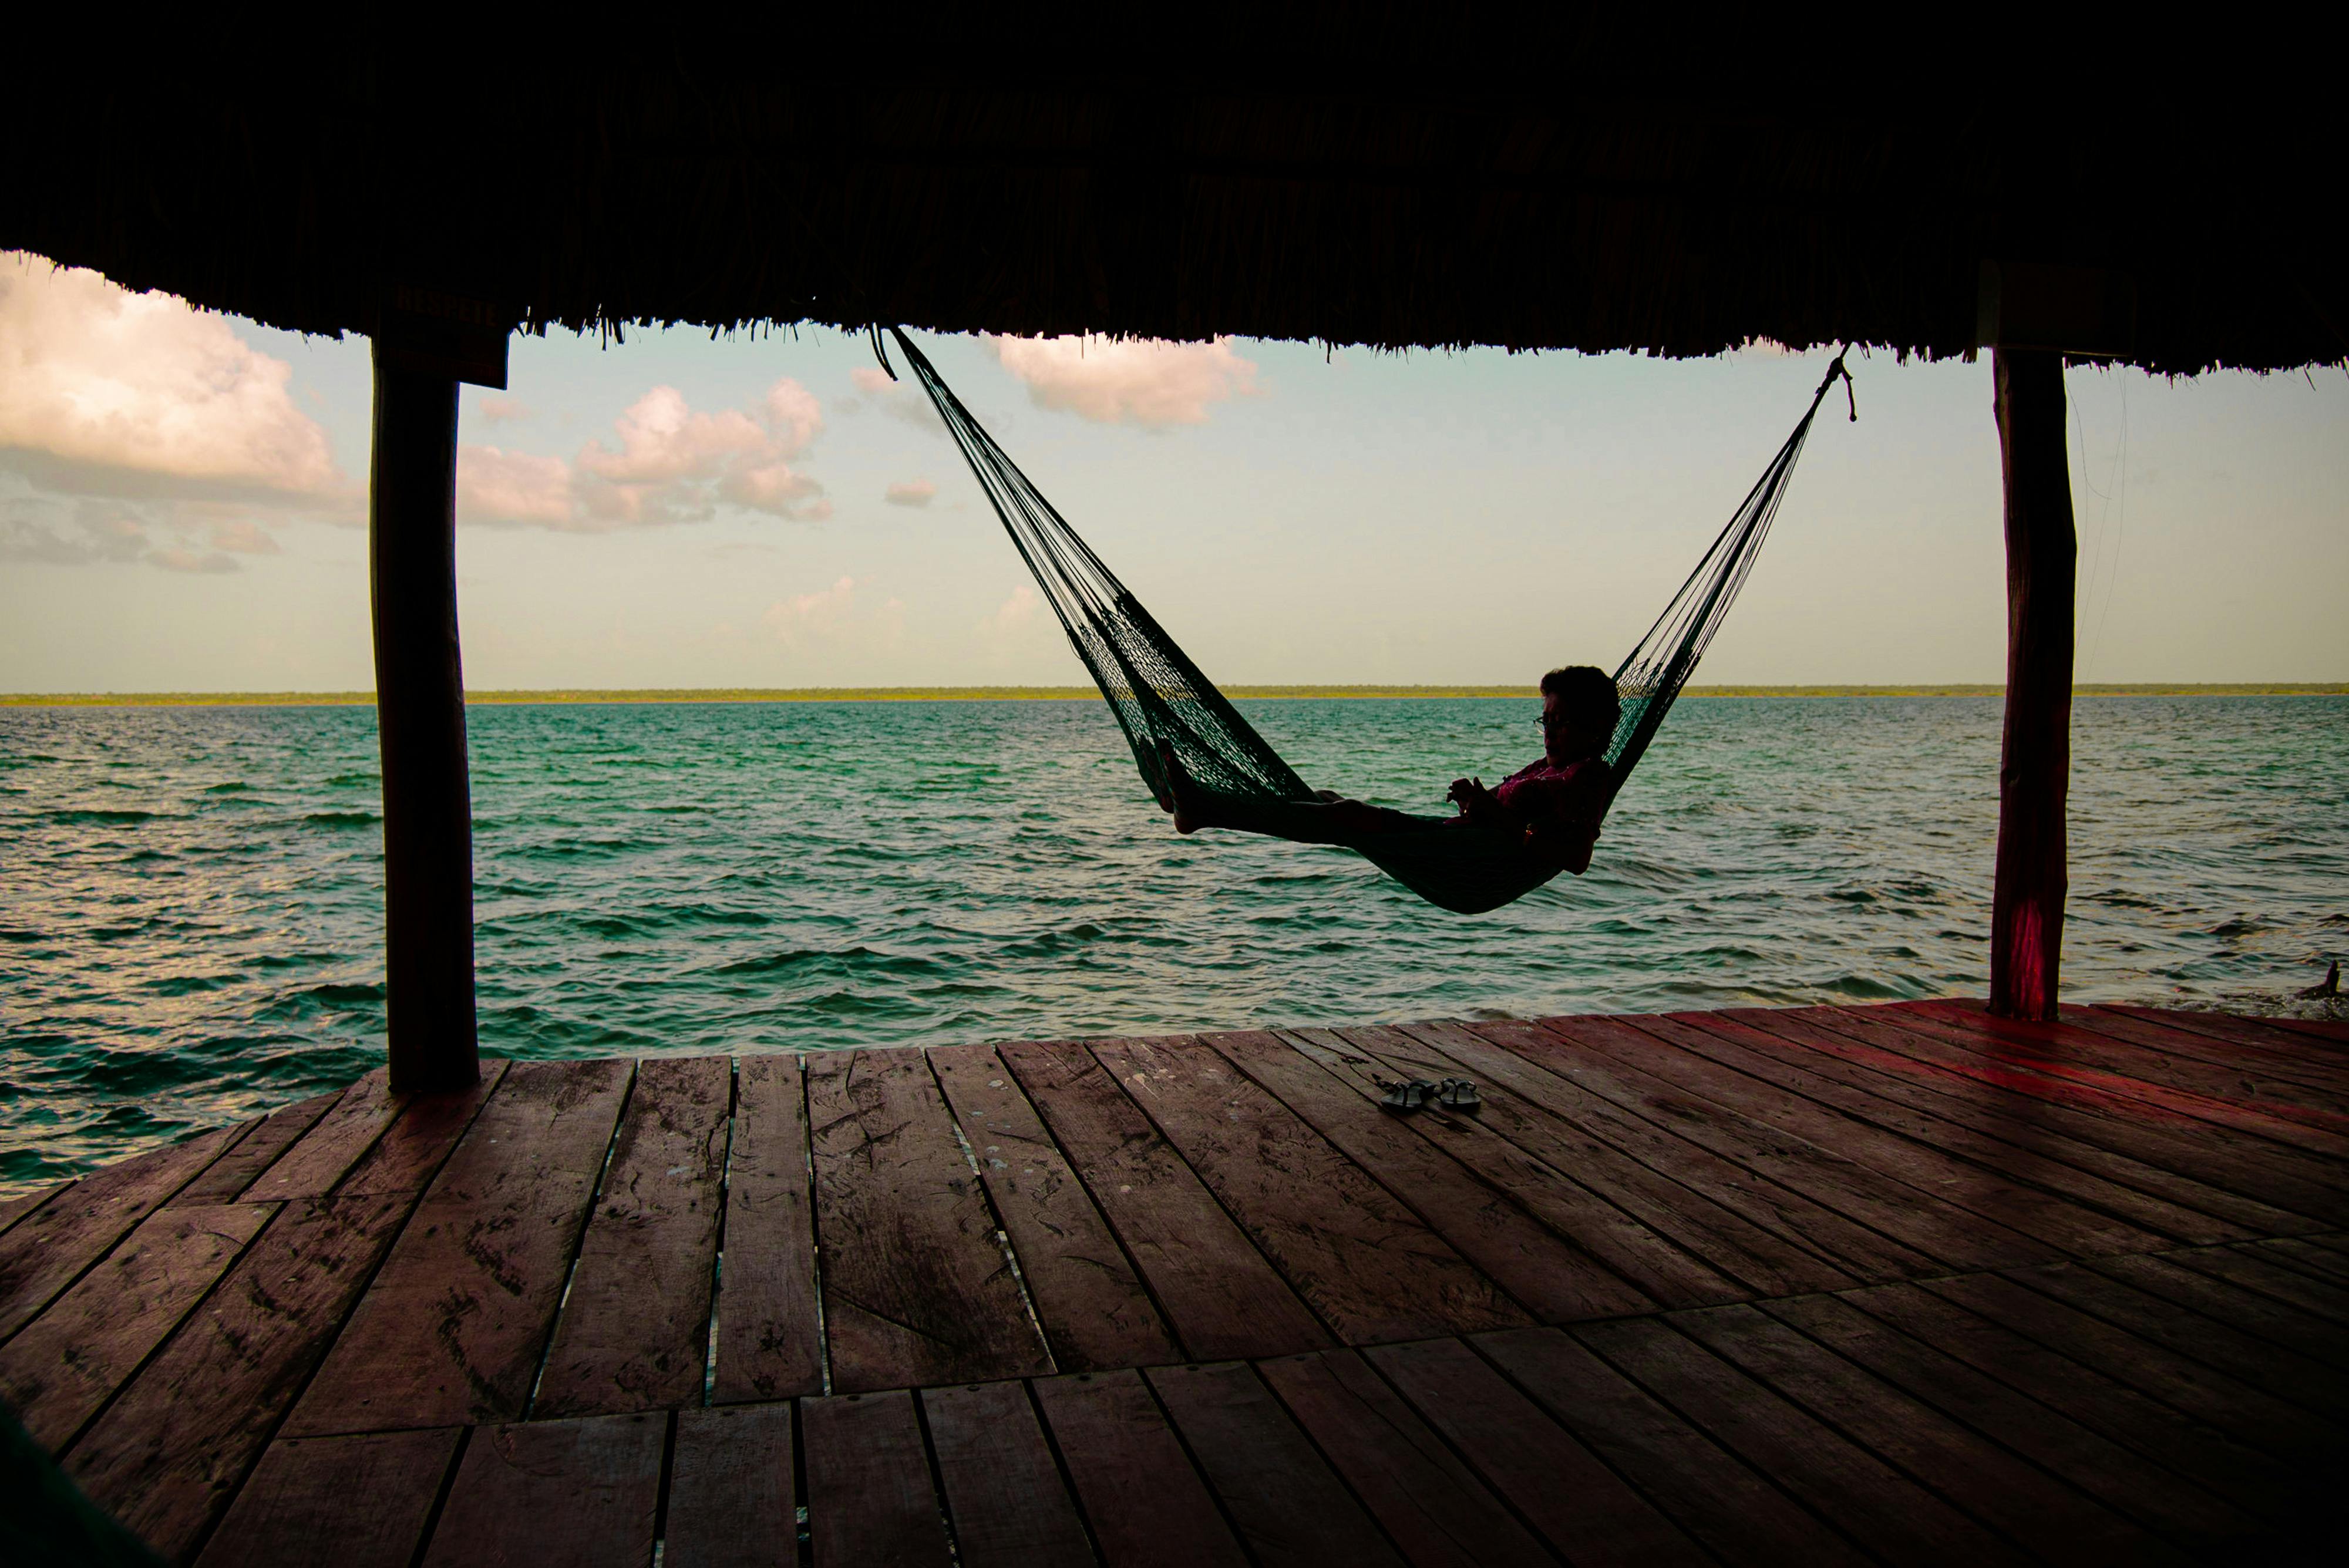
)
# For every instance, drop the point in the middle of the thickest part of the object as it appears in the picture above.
(666, 462)
(776, 489)
(1015, 613)
(662, 440)
(793, 416)
(107, 392)
(505, 411)
(244, 537)
(498, 486)
(818, 612)
(95, 531)
(178, 558)
(831, 627)
(910, 493)
(901, 401)
(1149, 383)
(55, 533)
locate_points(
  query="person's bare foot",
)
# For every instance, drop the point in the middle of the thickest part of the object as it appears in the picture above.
(1178, 783)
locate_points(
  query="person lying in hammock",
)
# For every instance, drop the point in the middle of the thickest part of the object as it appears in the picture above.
(1553, 806)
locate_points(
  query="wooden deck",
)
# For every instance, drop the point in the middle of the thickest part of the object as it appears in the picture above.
(1889, 1283)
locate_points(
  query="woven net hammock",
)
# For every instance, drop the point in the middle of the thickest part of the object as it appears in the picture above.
(1161, 698)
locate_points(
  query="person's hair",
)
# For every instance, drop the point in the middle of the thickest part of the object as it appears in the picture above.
(1588, 696)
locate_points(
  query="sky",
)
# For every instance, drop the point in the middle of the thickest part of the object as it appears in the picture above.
(183, 507)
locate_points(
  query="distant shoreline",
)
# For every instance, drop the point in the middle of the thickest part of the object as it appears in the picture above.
(1072, 694)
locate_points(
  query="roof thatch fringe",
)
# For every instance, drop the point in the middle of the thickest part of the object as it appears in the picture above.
(729, 191)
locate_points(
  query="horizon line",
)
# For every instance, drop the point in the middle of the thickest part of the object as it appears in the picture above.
(614, 695)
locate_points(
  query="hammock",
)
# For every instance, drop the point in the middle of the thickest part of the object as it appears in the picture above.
(1160, 697)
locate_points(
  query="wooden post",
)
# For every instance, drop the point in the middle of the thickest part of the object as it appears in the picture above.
(2035, 759)
(428, 813)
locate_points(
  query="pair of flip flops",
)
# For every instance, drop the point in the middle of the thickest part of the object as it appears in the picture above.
(1418, 1093)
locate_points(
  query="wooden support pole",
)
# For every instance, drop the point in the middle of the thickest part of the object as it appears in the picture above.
(428, 813)
(2035, 759)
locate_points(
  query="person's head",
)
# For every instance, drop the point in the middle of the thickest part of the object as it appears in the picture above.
(1580, 710)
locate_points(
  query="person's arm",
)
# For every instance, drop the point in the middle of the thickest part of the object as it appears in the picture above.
(1565, 831)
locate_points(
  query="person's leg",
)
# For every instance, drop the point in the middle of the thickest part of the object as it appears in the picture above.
(1331, 819)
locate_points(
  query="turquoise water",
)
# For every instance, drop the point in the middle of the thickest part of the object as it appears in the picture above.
(191, 919)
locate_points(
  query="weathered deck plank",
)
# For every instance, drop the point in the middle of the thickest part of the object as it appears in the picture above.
(15, 1208)
(1147, 1504)
(2261, 1363)
(2284, 1154)
(2148, 1217)
(2291, 1433)
(1290, 1507)
(1725, 1506)
(2275, 1269)
(453, 1328)
(2164, 1501)
(2141, 1131)
(1735, 1120)
(69, 1361)
(1217, 1291)
(1978, 1189)
(1750, 1227)
(358, 1501)
(313, 1163)
(1964, 1119)
(869, 1496)
(1990, 1484)
(2109, 1067)
(730, 1489)
(413, 1148)
(2236, 1470)
(1431, 1505)
(1769, 1238)
(1557, 1281)
(2292, 1035)
(2218, 1299)
(169, 1453)
(52, 1245)
(1564, 1492)
(2320, 1258)
(584, 1493)
(1369, 1266)
(1582, 1192)
(226, 1180)
(2237, 1068)
(916, 1289)
(1978, 1101)
(1093, 1308)
(1005, 1495)
(769, 1345)
(1869, 1499)
(2256, 1055)
(632, 1331)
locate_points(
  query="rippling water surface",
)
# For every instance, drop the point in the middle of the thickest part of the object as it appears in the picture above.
(190, 899)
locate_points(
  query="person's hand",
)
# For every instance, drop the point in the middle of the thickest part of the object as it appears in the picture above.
(1477, 803)
(1470, 796)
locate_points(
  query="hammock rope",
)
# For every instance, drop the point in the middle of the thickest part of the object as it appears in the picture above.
(1159, 696)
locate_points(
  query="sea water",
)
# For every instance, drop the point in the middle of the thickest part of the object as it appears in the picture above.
(191, 899)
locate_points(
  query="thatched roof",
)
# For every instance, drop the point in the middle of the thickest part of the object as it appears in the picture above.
(1530, 213)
